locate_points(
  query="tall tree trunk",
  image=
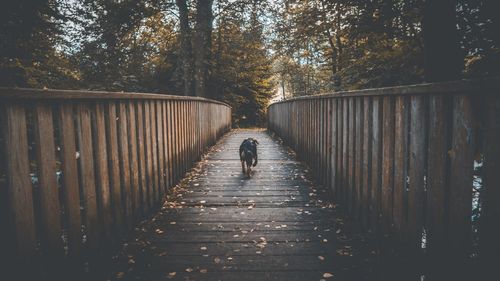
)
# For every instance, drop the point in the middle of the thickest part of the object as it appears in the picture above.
(186, 49)
(202, 45)
(443, 60)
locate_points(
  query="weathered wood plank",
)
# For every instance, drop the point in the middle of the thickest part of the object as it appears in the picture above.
(461, 168)
(71, 186)
(149, 155)
(416, 186)
(143, 170)
(437, 179)
(102, 172)
(134, 162)
(400, 212)
(48, 190)
(20, 191)
(376, 165)
(367, 160)
(161, 155)
(387, 164)
(87, 176)
(124, 156)
(114, 166)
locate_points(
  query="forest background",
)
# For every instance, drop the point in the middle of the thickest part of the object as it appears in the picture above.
(245, 52)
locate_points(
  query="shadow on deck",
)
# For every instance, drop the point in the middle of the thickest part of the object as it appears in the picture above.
(218, 225)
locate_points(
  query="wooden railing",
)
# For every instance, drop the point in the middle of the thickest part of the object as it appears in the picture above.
(408, 162)
(78, 169)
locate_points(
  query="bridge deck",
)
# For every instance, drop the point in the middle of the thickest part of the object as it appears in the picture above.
(218, 225)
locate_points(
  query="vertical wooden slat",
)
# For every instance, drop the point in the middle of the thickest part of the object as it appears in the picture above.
(335, 144)
(49, 195)
(87, 176)
(461, 168)
(376, 165)
(154, 149)
(367, 160)
(345, 141)
(170, 141)
(437, 182)
(166, 161)
(358, 175)
(400, 211)
(20, 191)
(351, 154)
(102, 172)
(125, 163)
(143, 170)
(71, 188)
(114, 166)
(416, 191)
(134, 162)
(161, 155)
(387, 163)
(149, 155)
(490, 228)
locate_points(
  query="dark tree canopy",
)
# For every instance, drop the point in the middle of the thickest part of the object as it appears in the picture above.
(245, 52)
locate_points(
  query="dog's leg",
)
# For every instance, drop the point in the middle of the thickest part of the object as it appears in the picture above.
(249, 170)
(243, 166)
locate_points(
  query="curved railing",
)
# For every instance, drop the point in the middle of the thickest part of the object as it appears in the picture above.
(79, 168)
(408, 161)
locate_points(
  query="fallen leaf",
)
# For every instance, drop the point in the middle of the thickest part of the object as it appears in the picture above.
(327, 275)
(171, 275)
(189, 269)
(217, 260)
(203, 248)
(321, 258)
(203, 270)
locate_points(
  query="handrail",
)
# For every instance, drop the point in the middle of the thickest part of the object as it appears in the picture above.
(79, 169)
(452, 87)
(53, 94)
(402, 160)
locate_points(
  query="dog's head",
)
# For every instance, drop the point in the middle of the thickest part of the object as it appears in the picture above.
(253, 140)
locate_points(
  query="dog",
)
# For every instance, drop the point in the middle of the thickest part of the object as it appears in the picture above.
(248, 155)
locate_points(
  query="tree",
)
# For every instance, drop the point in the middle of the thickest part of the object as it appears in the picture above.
(185, 51)
(442, 57)
(202, 45)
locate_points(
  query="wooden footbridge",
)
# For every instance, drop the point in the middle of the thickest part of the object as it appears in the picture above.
(398, 183)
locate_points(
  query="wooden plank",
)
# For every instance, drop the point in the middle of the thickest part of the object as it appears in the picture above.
(134, 161)
(154, 147)
(19, 190)
(489, 227)
(367, 160)
(351, 155)
(87, 176)
(124, 163)
(149, 155)
(400, 212)
(114, 166)
(345, 152)
(161, 155)
(170, 140)
(334, 148)
(166, 139)
(387, 164)
(50, 211)
(71, 187)
(461, 168)
(416, 188)
(376, 164)
(102, 172)
(143, 170)
(358, 162)
(437, 178)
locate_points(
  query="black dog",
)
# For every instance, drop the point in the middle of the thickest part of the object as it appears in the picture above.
(248, 153)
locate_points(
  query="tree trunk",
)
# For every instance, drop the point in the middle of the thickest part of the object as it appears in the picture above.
(443, 60)
(202, 45)
(185, 49)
